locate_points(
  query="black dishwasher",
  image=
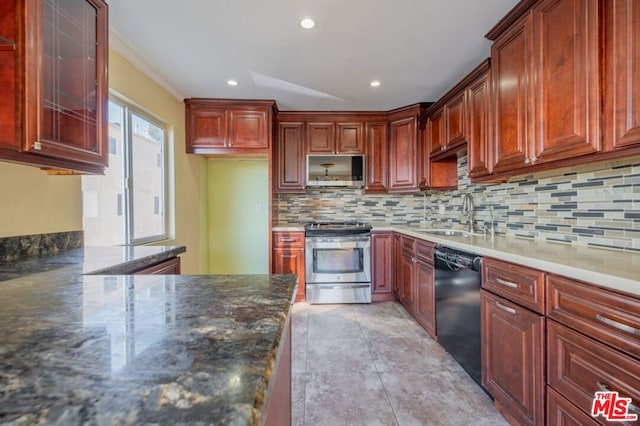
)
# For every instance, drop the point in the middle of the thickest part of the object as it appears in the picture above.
(458, 277)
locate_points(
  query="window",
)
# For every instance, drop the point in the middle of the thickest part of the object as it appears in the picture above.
(127, 204)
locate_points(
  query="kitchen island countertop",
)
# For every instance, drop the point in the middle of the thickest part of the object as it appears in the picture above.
(138, 349)
(91, 260)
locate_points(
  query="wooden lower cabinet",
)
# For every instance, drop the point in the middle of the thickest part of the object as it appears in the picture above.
(424, 307)
(407, 268)
(579, 366)
(407, 272)
(513, 359)
(607, 316)
(519, 284)
(381, 266)
(278, 405)
(398, 289)
(414, 277)
(561, 412)
(288, 258)
(167, 267)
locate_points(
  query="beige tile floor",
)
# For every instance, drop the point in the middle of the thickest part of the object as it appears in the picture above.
(374, 365)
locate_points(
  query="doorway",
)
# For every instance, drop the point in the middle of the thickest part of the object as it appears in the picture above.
(238, 205)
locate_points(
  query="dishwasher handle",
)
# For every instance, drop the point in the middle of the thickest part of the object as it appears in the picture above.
(456, 260)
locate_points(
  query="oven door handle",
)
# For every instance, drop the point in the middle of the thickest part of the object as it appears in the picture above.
(341, 246)
(341, 287)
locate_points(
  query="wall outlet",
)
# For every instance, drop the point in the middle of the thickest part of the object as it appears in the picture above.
(440, 208)
(259, 208)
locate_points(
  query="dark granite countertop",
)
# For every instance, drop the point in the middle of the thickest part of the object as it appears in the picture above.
(152, 349)
(91, 260)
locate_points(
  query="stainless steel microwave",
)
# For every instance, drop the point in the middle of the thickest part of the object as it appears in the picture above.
(335, 170)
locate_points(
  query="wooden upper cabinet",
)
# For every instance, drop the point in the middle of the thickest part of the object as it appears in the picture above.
(223, 126)
(424, 162)
(206, 127)
(454, 111)
(446, 125)
(404, 151)
(321, 138)
(478, 128)
(510, 69)
(461, 116)
(53, 69)
(622, 74)
(335, 137)
(248, 128)
(289, 165)
(564, 84)
(350, 138)
(377, 156)
(566, 87)
(436, 131)
(404, 138)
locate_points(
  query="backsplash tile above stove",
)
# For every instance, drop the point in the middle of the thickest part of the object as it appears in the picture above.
(595, 204)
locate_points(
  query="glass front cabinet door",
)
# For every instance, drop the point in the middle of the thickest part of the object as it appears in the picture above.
(61, 83)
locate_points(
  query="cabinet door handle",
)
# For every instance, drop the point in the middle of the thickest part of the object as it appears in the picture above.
(605, 388)
(617, 324)
(288, 240)
(506, 283)
(505, 308)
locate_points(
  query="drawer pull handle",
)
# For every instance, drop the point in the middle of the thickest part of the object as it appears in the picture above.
(288, 240)
(506, 308)
(617, 325)
(506, 283)
(605, 388)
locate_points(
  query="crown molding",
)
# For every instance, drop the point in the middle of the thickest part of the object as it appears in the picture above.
(124, 48)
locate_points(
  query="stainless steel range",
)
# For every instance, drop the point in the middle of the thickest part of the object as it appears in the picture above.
(338, 262)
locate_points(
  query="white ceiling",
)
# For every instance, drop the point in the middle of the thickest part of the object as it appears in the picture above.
(418, 49)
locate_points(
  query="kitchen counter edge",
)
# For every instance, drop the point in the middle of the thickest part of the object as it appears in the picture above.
(611, 269)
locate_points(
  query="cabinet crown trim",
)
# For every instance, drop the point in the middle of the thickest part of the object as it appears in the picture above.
(512, 16)
(477, 72)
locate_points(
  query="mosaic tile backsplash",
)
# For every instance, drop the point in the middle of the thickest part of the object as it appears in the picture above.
(594, 204)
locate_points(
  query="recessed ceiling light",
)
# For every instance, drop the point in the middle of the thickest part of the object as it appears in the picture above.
(232, 83)
(375, 83)
(307, 23)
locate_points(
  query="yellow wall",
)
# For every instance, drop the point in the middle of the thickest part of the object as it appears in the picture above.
(238, 232)
(190, 171)
(34, 202)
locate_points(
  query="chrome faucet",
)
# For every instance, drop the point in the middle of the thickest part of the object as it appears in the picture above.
(467, 207)
(491, 228)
